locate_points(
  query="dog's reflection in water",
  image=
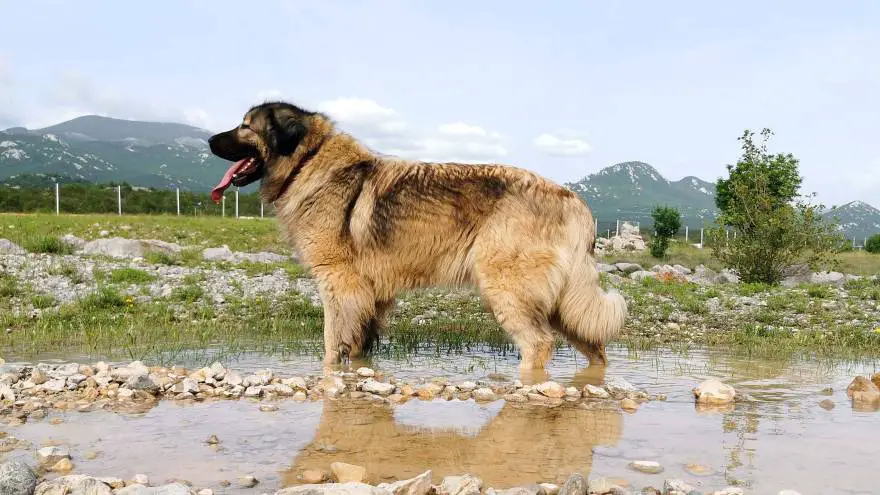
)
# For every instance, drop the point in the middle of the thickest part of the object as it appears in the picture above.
(504, 444)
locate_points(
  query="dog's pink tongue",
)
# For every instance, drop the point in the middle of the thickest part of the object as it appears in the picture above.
(217, 192)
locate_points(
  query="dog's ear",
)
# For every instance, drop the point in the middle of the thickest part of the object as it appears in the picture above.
(287, 131)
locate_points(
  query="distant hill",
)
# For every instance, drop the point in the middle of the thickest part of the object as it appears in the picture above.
(164, 154)
(101, 149)
(857, 220)
(631, 190)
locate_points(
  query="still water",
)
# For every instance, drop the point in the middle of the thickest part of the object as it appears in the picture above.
(780, 439)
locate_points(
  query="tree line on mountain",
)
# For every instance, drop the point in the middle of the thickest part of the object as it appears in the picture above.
(36, 194)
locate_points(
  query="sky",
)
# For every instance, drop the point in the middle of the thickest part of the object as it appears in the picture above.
(563, 89)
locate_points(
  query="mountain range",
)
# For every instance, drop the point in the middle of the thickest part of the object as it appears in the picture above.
(164, 155)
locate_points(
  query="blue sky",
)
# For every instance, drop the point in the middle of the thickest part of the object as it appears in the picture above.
(563, 89)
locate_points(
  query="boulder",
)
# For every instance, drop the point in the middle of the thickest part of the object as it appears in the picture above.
(420, 485)
(172, 489)
(863, 391)
(460, 485)
(17, 478)
(77, 484)
(551, 389)
(344, 473)
(9, 247)
(575, 485)
(334, 489)
(712, 392)
(628, 268)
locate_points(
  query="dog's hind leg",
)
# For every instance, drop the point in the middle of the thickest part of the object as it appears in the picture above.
(526, 324)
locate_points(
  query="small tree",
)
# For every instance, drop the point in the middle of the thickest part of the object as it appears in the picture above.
(667, 221)
(872, 245)
(773, 230)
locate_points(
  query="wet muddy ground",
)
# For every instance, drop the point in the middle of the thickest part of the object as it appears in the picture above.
(780, 438)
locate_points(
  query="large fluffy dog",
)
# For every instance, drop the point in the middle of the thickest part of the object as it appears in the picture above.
(370, 226)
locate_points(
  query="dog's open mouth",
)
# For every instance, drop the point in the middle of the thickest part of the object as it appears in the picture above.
(240, 174)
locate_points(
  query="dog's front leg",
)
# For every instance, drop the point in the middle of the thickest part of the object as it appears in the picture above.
(349, 307)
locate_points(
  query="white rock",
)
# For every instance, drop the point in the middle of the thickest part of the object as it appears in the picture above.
(73, 485)
(551, 389)
(374, 387)
(420, 485)
(297, 383)
(467, 386)
(56, 385)
(9, 247)
(51, 455)
(365, 372)
(595, 392)
(484, 394)
(460, 485)
(712, 391)
(676, 485)
(351, 488)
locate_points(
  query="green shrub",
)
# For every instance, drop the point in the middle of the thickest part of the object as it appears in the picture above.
(872, 245)
(772, 229)
(667, 221)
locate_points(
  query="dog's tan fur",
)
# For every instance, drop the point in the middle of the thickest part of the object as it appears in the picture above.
(370, 226)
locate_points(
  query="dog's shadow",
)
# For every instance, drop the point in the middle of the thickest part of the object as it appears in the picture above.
(503, 443)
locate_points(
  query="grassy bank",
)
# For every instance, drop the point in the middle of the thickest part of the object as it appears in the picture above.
(249, 235)
(743, 318)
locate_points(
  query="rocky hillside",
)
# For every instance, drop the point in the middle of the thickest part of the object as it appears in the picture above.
(630, 190)
(100, 149)
(857, 219)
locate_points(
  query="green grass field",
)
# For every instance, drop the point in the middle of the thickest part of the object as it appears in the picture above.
(817, 320)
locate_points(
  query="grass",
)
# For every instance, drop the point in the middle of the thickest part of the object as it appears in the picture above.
(67, 269)
(129, 276)
(854, 262)
(240, 235)
(808, 319)
(47, 244)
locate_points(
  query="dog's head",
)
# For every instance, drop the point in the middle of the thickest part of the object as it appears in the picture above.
(267, 133)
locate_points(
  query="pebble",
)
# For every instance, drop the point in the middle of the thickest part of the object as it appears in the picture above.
(698, 469)
(827, 404)
(596, 392)
(344, 473)
(212, 440)
(62, 466)
(484, 394)
(629, 405)
(575, 485)
(312, 476)
(365, 372)
(650, 467)
(677, 485)
(551, 389)
(247, 481)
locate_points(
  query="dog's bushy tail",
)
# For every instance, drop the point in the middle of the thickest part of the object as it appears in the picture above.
(587, 312)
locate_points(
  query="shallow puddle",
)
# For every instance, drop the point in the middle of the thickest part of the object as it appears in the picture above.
(781, 439)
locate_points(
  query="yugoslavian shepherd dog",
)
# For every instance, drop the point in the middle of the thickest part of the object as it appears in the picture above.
(370, 226)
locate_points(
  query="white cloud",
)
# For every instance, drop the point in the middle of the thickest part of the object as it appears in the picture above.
(561, 146)
(386, 131)
(364, 114)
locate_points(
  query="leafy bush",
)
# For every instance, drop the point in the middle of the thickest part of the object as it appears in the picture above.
(667, 221)
(774, 230)
(872, 245)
